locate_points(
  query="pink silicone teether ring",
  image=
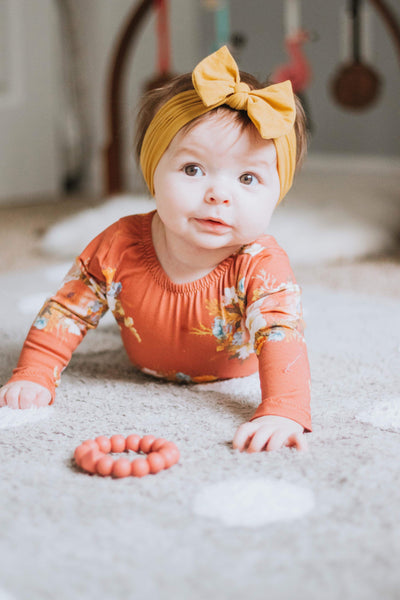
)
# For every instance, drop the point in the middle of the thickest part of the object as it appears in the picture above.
(93, 456)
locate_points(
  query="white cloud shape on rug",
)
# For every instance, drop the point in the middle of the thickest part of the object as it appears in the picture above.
(5, 595)
(253, 502)
(10, 417)
(311, 234)
(385, 415)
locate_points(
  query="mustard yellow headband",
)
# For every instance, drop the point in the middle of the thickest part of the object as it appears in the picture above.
(216, 81)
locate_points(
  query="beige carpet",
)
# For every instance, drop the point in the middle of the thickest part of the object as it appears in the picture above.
(335, 533)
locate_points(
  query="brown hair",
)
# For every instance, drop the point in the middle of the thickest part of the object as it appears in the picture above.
(153, 100)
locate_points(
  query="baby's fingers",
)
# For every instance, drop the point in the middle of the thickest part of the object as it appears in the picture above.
(243, 434)
(29, 398)
(261, 439)
(297, 440)
(43, 398)
(25, 396)
(278, 440)
(10, 396)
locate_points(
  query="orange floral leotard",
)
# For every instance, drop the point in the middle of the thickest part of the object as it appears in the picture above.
(243, 316)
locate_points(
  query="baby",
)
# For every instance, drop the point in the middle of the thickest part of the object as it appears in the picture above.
(198, 289)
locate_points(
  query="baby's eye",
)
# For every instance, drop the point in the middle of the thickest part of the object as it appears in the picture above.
(248, 179)
(193, 170)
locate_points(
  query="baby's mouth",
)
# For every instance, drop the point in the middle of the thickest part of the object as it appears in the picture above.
(213, 224)
(213, 220)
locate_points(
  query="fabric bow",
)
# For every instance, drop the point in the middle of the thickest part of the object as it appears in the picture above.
(216, 80)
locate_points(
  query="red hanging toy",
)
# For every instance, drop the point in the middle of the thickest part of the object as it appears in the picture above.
(163, 46)
(297, 69)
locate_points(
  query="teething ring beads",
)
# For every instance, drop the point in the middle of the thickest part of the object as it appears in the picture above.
(140, 467)
(93, 455)
(105, 465)
(118, 443)
(132, 442)
(121, 467)
(146, 443)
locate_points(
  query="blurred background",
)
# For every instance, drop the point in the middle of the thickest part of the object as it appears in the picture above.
(56, 58)
(72, 73)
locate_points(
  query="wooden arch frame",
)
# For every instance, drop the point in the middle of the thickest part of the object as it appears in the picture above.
(113, 176)
(112, 165)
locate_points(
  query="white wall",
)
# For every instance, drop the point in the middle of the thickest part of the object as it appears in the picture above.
(32, 114)
(98, 22)
(30, 161)
(375, 131)
(28, 100)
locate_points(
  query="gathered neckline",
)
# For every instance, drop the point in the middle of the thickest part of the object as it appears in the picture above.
(160, 275)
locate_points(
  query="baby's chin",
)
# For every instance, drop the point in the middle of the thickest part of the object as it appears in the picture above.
(250, 239)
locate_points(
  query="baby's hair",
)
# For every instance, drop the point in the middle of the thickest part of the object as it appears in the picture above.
(153, 100)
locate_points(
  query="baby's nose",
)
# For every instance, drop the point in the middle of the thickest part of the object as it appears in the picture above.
(217, 196)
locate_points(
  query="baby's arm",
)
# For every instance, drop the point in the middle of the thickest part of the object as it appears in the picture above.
(24, 394)
(274, 320)
(284, 413)
(58, 329)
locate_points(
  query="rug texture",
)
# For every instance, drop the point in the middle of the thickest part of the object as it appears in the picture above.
(219, 524)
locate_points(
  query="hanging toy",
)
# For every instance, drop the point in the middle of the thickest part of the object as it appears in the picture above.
(222, 24)
(356, 85)
(164, 73)
(222, 28)
(297, 69)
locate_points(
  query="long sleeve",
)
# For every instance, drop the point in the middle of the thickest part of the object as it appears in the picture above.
(285, 381)
(275, 322)
(59, 328)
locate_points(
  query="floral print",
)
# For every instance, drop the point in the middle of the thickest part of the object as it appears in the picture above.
(89, 307)
(93, 308)
(245, 315)
(113, 290)
(179, 377)
(228, 326)
(273, 314)
(252, 249)
(52, 320)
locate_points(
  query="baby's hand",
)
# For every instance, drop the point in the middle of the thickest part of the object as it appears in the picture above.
(24, 394)
(269, 433)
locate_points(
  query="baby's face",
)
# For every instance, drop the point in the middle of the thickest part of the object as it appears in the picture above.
(217, 184)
